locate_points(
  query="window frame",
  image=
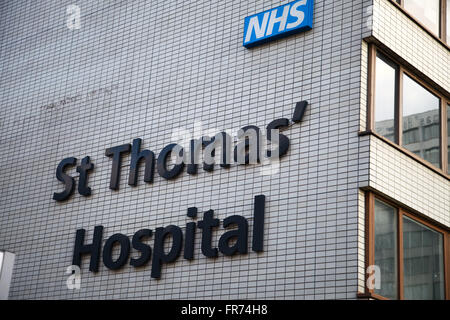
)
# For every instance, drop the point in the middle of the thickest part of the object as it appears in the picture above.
(442, 36)
(444, 170)
(370, 244)
(2, 257)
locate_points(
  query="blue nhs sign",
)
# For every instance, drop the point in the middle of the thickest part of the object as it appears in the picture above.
(279, 22)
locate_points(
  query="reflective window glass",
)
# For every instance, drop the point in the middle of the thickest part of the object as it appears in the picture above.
(426, 12)
(448, 21)
(1, 261)
(448, 136)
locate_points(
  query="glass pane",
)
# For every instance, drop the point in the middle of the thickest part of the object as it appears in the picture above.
(426, 12)
(448, 21)
(448, 133)
(1, 262)
(431, 131)
(385, 98)
(421, 121)
(386, 248)
(432, 155)
(423, 262)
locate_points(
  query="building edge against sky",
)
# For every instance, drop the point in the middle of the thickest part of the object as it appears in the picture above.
(348, 194)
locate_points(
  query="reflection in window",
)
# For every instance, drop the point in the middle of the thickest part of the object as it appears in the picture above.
(427, 12)
(420, 110)
(423, 262)
(385, 97)
(386, 248)
(448, 131)
(417, 153)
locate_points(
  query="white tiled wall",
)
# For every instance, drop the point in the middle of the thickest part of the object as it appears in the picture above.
(143, 69)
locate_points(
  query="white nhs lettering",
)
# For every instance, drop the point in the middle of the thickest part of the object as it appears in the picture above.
(278, 21)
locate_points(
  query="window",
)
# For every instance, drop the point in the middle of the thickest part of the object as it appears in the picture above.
(386, 248)
(408, 113)
(6, 268)
(432, 155)
(448, 21)
(432, 14)
(1, 262)
(448, 138)
(411, 136)
(385, 83)
(419, 107)
(423, 256)
(412, 255)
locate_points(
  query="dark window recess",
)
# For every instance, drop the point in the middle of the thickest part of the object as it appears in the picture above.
(421, 110)
(411, 136)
